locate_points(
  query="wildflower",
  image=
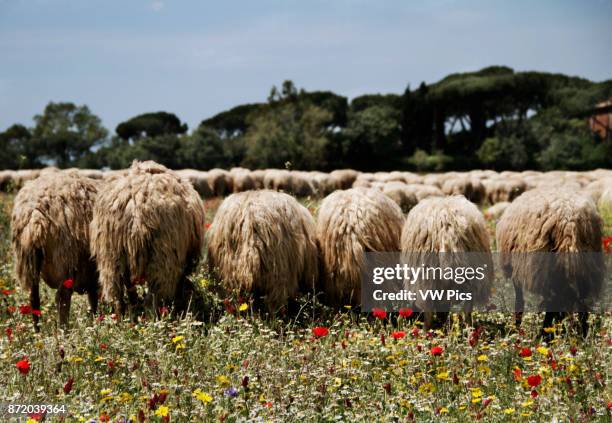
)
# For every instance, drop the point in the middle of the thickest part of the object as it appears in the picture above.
(405, 312)
(231, 392)
(442, 376)
(509, 411)
(534, 393)
(223, 380)
(68, 386)
(573, 350)
(534, 380)
(23, 366)
(398, 334)
(68, 283)
(542, 350)
(243, 307)
(436, 351)
(36, 313)
(25, 309)
(606, 243)
(379, 313)
(162, 411)
(177, 339)
(9, 333)
(202, 396)
(415, 332)
(525, 352)
(320, 331)
(518, 374)
(482, 357)
(7, 291)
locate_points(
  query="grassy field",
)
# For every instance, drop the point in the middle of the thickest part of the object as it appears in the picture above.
(238, 366)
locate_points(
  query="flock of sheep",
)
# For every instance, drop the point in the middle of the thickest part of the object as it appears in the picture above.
(113, 231)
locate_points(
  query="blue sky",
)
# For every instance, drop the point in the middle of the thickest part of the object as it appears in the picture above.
(196, 58)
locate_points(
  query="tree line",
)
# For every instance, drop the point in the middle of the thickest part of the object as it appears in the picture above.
(493, 118)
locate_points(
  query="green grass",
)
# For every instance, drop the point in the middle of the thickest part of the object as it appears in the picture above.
(280, 372)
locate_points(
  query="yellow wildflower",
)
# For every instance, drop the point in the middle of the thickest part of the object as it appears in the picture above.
(243, 307)
(162, 411)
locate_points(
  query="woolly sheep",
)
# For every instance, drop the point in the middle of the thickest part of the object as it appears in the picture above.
(552, 220)
(50, 239)
(262, 243)
(349, 224)
(148, 226)
(449, 225)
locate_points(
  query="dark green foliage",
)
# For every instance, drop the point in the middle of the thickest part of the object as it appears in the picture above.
(65, 133)
(17, 151)
(151, 125)
(495, 118)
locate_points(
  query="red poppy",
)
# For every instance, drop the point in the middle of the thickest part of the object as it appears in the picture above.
(68, 283)
(320, 331)
(610, 405)
(36, 416)
(534, 393)
(7, 291)
(405, 312)
(25, 309)
(207, 226)
(525, 352)
(23, 366)
(573, 350)
(268, 404)
(398, 335)
(104, 417)
(103, 346)
(68, 386)
(436, 351)
(11, 309)
(518, 374)
(534, 380)
(606, 243)
(415, 332)
(9, 333)
(36, 313)
(379, 313)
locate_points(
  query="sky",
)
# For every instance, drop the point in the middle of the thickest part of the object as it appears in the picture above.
(196, 58)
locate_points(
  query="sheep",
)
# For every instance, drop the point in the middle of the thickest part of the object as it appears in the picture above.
(199, 180)
(301, 184)
(242, 180)
(424, 191)
(50, 239)
(147, 226)
(552, 220)
(220, 182)
(262, 243)
(258, 178)
(503, 190)
(349, 224)
(471, 188)
(344, 178)
(277, 180)
(449, 225)
(401, 194)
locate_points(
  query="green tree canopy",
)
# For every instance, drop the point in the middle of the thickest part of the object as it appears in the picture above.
(151, 125)
(65, 133)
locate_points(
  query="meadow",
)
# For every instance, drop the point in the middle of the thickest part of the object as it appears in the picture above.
(316, 365)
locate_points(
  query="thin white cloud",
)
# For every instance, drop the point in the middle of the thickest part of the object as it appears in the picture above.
(157, 5)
